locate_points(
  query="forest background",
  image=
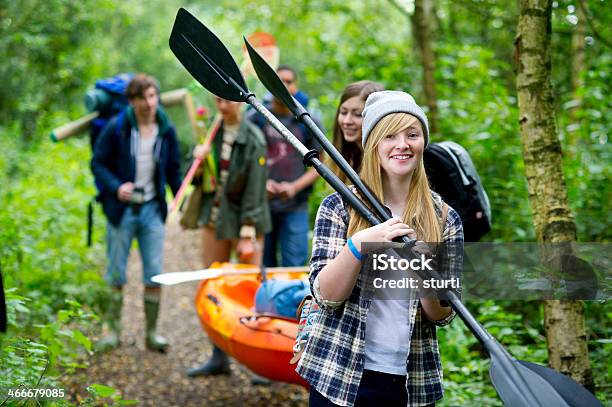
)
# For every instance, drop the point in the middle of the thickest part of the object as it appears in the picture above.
(54, 50)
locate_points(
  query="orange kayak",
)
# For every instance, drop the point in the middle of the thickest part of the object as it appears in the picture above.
(226, 307)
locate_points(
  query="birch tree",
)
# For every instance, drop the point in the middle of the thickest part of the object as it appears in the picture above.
(553, 221)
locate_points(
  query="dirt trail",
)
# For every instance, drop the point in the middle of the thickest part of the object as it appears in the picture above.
(159, 380)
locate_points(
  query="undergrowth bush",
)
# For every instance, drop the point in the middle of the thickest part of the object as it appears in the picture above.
(53, 281)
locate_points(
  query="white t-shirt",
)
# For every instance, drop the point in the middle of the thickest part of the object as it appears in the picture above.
(389, 330)
(145, 163)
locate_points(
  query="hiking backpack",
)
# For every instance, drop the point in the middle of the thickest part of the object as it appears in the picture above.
(108, 98)
(452, 174)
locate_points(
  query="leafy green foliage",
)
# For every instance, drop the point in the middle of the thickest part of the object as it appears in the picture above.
(588, 154)
(479, 113)
(43, 238)
(46, 267)
(597, 319)
(100, 392)
(38, 359)
(47, 57)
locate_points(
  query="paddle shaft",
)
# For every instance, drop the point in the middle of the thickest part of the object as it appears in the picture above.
(270, 79)
(217, 272)
(311, 159)
(169, 98)
(183, 187)
(497, 353)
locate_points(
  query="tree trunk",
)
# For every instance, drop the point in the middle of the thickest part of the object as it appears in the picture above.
(422, 29)
(553, 221)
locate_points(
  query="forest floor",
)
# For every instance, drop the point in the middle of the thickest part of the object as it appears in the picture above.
(155, 379)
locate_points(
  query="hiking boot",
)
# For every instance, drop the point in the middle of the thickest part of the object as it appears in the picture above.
(153, 341)
(257, 380)
(218, 364)
(112, 339)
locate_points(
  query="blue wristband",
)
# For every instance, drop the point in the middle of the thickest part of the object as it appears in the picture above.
(353, 249)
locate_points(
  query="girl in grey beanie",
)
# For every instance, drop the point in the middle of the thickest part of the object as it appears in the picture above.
(367, 348)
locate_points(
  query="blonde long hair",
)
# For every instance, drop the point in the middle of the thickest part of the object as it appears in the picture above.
(420, 212)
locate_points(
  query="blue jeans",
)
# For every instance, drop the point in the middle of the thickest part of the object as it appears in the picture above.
(146, 225)
(290, 229)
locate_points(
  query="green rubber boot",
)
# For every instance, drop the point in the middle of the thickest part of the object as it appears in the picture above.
(154, 342)
(113, 321)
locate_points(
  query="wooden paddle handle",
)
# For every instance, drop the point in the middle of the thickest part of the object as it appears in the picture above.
(75, 127)
(81, 125)
(173, 97)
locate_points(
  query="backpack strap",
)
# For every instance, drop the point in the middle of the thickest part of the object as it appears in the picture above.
(119, 124)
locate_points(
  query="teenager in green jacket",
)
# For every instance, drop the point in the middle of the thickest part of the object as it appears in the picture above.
(235, 215)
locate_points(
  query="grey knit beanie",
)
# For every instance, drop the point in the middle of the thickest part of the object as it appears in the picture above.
(380, 104)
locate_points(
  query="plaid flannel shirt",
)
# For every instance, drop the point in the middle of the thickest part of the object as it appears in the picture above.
(333, 360)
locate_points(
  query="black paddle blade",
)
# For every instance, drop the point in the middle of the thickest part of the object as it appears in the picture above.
(270, 79)
(573, 393)
(526, 384)
(206, 58)
(519, 386)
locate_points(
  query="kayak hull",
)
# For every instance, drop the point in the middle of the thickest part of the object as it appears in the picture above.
(265, 345)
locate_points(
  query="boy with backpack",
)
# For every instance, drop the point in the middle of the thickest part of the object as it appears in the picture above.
(134, 157)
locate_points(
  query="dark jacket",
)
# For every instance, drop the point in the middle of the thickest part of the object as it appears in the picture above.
(243, 201)
(114, 162)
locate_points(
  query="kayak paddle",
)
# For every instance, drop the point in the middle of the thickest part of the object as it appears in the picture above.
(216, 272)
